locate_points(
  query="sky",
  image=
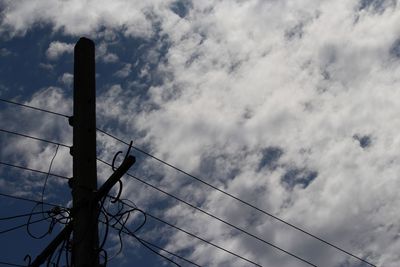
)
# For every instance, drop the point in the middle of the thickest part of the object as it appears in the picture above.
(288, 105)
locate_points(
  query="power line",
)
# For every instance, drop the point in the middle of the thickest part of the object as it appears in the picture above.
(35, 108)
(126, 231)
(35, 138)
(23, 225)
(238, 199)
(48, 173)
(11, 264)
(169, 252)
(33, 170)
(190, 234)
(204, 240)
(31, 200)
(217, 218)
(154, 251)
(20, 215)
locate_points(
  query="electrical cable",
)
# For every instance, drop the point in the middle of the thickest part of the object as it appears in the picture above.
(20, 216)
(154, 251)
(141, 242)
(125, 231)
(11, 264)
(49, 230)
(239, 200)
(188, 233)
(35, 108)
(169, 252)
(31, 200)
(33, 170)
(48, 173)
(22, 225)
(217, 218)
(204, 240)
(121, 216)
(35, 138)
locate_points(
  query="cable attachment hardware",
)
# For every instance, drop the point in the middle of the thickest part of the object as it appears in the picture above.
(114, 200)
(119, 152)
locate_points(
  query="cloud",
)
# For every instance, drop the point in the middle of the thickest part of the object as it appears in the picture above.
(67, 79)
(236, 84)
(103, 54)
(125, 71)
(57, 49)
(81, 18)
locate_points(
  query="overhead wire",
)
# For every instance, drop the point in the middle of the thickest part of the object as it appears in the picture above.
(35, 138)
(22, 225)
(118, 216)
(239, 200)
(33, 170)
(32, 107)
(11, 264)
(19, 216)
(48, 172)
(205, 241)
(217, 218)
(167, 251)
(179, 229)
(31, 200)
(124, 229)
(157, 253)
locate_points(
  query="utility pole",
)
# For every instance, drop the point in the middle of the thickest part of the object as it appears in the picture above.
(85, 196)
(84, 185)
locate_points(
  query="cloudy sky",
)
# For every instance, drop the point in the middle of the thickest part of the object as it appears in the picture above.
(289, 105)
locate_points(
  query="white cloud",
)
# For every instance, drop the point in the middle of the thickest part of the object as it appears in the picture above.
(46, 66)
(56, 49)
(81, 17)
(103, 54)
(67, 79)
(240, 83)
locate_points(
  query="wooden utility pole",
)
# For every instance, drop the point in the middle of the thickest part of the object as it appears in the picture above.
(85, 234)
(85, 196)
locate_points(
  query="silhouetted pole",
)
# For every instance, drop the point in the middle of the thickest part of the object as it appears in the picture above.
(85, 196)
(84, 185)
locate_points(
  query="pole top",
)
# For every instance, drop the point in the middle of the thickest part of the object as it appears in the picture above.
(85, 42)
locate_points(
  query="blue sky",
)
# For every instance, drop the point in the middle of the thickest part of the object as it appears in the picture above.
(288, 105)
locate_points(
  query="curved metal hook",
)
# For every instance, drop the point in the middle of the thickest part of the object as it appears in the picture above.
(119, 152)
(113, 161)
